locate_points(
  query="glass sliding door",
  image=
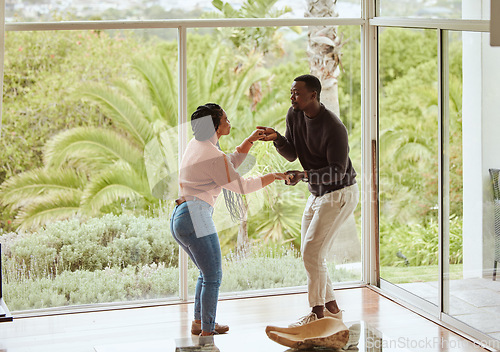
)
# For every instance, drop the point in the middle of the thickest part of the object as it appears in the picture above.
(408, 160)
(467, 294)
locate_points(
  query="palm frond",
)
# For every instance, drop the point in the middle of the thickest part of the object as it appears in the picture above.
(279, 219)
(204, 79)
(32, 186)
(58, 206)
(397, 201)
(211, 69)
(160, 157)
(413, 151)
(209, 81)
(114, 185)
(91, 149)
(244, 80)
(138, 94)
(121, 110)
(273, 115)
(161, 84)
(234, 91)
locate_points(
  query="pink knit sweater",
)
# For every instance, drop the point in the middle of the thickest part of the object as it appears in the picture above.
(205, 171)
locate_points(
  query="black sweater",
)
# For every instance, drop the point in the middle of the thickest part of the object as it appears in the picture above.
(321, 144)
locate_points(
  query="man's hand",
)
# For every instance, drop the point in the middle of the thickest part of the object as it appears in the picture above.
(282, 176)
(295, 178)
(270, 134)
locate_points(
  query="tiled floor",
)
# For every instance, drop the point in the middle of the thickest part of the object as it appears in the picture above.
(475, 302)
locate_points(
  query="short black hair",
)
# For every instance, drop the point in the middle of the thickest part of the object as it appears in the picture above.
(203, 129)
(312, 83)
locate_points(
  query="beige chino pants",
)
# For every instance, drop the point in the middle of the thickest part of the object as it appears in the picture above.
(323, 216)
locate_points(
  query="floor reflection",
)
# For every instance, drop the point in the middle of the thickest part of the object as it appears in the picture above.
(362, 337)
(196, 343)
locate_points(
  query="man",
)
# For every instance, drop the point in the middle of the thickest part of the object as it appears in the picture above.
(319, 139)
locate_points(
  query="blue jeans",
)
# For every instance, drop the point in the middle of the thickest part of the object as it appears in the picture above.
(205, 253)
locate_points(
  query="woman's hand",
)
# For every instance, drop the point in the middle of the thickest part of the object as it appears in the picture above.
(282, 176)
(256, 135)
(270, 178)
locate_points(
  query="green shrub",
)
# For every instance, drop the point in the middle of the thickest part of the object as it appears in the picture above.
(428, 273)
(85, 287)
(260, 267)
(271, 266)
(107, 242)
(418, 243)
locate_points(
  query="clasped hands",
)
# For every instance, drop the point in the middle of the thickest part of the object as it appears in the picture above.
(262, 133)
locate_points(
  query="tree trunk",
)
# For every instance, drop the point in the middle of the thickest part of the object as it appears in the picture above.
(324, 51)
(242, 241)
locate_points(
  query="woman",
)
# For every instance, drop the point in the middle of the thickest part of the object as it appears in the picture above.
(204, 171)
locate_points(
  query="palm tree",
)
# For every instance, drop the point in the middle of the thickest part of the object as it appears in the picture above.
(324, 51)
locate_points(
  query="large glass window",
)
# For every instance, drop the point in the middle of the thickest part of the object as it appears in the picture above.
(86, 115)
(409, 160)
(88, 190)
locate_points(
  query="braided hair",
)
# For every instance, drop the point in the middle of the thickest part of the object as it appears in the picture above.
(205, 121)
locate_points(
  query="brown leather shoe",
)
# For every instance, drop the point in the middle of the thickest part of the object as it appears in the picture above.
(219, 329)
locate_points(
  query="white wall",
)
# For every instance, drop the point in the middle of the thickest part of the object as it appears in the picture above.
(491, 141)
(481, 141)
